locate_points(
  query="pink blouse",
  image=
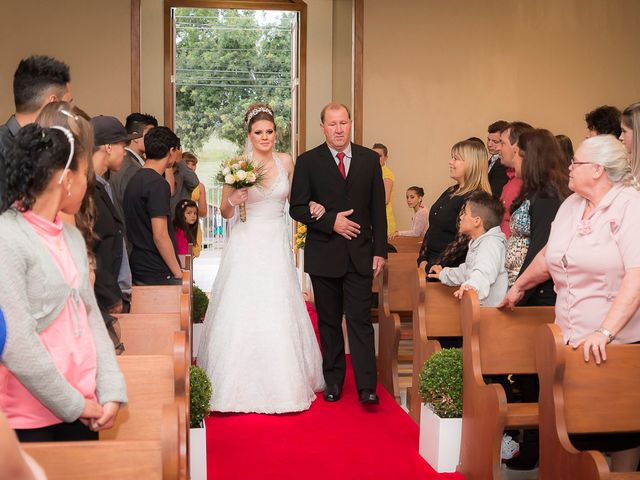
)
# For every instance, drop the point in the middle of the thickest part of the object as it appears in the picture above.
(419, 224)
(68, 340)
(587, 260)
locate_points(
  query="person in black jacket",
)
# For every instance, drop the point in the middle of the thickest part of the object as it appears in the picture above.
(345, 248)
(37, 81)
(542, 167)
(468, 167)
(497, 171)
(113, 276)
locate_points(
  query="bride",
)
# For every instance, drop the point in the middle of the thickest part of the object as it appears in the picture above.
(258, 345)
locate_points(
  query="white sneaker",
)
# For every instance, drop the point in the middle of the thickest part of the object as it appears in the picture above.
(509, 448)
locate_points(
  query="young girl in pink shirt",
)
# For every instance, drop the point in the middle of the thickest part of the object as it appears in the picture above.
(59, 379)
(185, 224)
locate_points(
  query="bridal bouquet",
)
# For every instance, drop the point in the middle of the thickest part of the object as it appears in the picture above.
(240, 172)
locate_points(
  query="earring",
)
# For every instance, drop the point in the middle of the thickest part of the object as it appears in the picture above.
(69, 193)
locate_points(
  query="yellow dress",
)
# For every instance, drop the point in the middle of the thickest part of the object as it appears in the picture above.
(195, 196)
(391, 221)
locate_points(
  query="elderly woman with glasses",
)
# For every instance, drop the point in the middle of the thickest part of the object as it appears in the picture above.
(592, 255)
(59, 378)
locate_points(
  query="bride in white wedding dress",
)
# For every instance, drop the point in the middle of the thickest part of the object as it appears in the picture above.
(258, 344)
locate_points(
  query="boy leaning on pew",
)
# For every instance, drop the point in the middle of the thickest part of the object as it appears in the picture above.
(483, 269)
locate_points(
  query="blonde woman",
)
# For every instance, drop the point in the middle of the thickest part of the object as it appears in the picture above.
(630, 135)
(468, 167)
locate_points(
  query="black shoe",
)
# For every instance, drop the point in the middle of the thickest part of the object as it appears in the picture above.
(368, 397)
(332, 392)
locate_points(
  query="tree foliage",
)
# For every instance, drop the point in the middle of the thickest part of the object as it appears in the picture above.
(225, 61)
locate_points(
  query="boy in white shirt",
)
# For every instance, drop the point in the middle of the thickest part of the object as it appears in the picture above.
(483, 269)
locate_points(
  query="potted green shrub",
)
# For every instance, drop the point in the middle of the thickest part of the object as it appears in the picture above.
(441, 413)
(199, 400)
(198, 311)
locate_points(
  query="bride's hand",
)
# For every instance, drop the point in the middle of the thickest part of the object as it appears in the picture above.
(238, 196)
(316, 210)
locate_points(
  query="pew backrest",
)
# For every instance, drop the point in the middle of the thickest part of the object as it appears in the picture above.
(407, 245)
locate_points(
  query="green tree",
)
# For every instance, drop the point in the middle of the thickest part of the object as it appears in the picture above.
(225, 61)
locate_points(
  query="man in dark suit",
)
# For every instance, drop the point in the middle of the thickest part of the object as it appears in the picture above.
(113, 276)
(497, 171)
(138, 123)
(345, 247)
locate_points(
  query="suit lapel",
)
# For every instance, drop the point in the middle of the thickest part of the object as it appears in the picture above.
(354, 167)
(108, 202)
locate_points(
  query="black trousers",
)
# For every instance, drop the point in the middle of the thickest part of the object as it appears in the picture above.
(350, 294)
(61, 432)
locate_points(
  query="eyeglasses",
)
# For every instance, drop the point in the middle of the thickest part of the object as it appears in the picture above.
(574, 163)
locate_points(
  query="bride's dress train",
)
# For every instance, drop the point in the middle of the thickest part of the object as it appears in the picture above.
(258, 344)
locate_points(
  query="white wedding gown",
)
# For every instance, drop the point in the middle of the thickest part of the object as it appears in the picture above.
(258, 344)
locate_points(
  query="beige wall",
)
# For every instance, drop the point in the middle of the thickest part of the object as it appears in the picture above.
(92, 36)
(437, 72)
(342, 84)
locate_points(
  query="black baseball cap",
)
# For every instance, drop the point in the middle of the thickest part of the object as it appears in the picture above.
(108, 130)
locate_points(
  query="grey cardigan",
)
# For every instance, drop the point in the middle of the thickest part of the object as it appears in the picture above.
(32, 295)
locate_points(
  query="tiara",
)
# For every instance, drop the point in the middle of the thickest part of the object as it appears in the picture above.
(258, 110)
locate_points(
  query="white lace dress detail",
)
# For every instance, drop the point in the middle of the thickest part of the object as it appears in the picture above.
(258, 344)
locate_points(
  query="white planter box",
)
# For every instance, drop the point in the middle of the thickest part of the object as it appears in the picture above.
(198, 452)
(440, 440)
(197, 333)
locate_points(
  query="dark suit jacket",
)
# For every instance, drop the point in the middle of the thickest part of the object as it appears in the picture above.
(109, 230)
(316, 177)
(498, 178)
(120, 179)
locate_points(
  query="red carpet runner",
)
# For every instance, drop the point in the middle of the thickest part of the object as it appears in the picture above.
(340, 441)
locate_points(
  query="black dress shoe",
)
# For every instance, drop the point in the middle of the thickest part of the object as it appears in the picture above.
(368, 397)
(332, 392)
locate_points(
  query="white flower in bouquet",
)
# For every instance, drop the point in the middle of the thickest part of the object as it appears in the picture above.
(240, 172)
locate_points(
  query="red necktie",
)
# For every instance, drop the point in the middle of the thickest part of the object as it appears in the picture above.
(340, 156)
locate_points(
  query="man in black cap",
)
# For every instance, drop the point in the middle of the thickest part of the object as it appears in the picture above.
(113, 275)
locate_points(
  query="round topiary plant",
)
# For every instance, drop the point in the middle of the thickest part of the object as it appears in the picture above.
(200, 304)
(441, 383)
(200, 395)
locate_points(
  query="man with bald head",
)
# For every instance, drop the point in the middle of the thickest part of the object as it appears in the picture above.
(345, 247)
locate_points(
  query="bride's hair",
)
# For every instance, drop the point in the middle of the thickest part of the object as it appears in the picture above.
(258, 111)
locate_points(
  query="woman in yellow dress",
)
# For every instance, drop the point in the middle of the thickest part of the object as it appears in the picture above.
(389, 179)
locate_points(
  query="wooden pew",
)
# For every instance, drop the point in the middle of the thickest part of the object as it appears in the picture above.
(164, 299)
(159, 298)
(151, 383)
(579, 397)
(407, 245)
(396, 301)
(124, 460)
(436, 314)
(495, 342)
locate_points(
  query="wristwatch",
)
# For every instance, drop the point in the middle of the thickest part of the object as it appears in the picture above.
(606, 333)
